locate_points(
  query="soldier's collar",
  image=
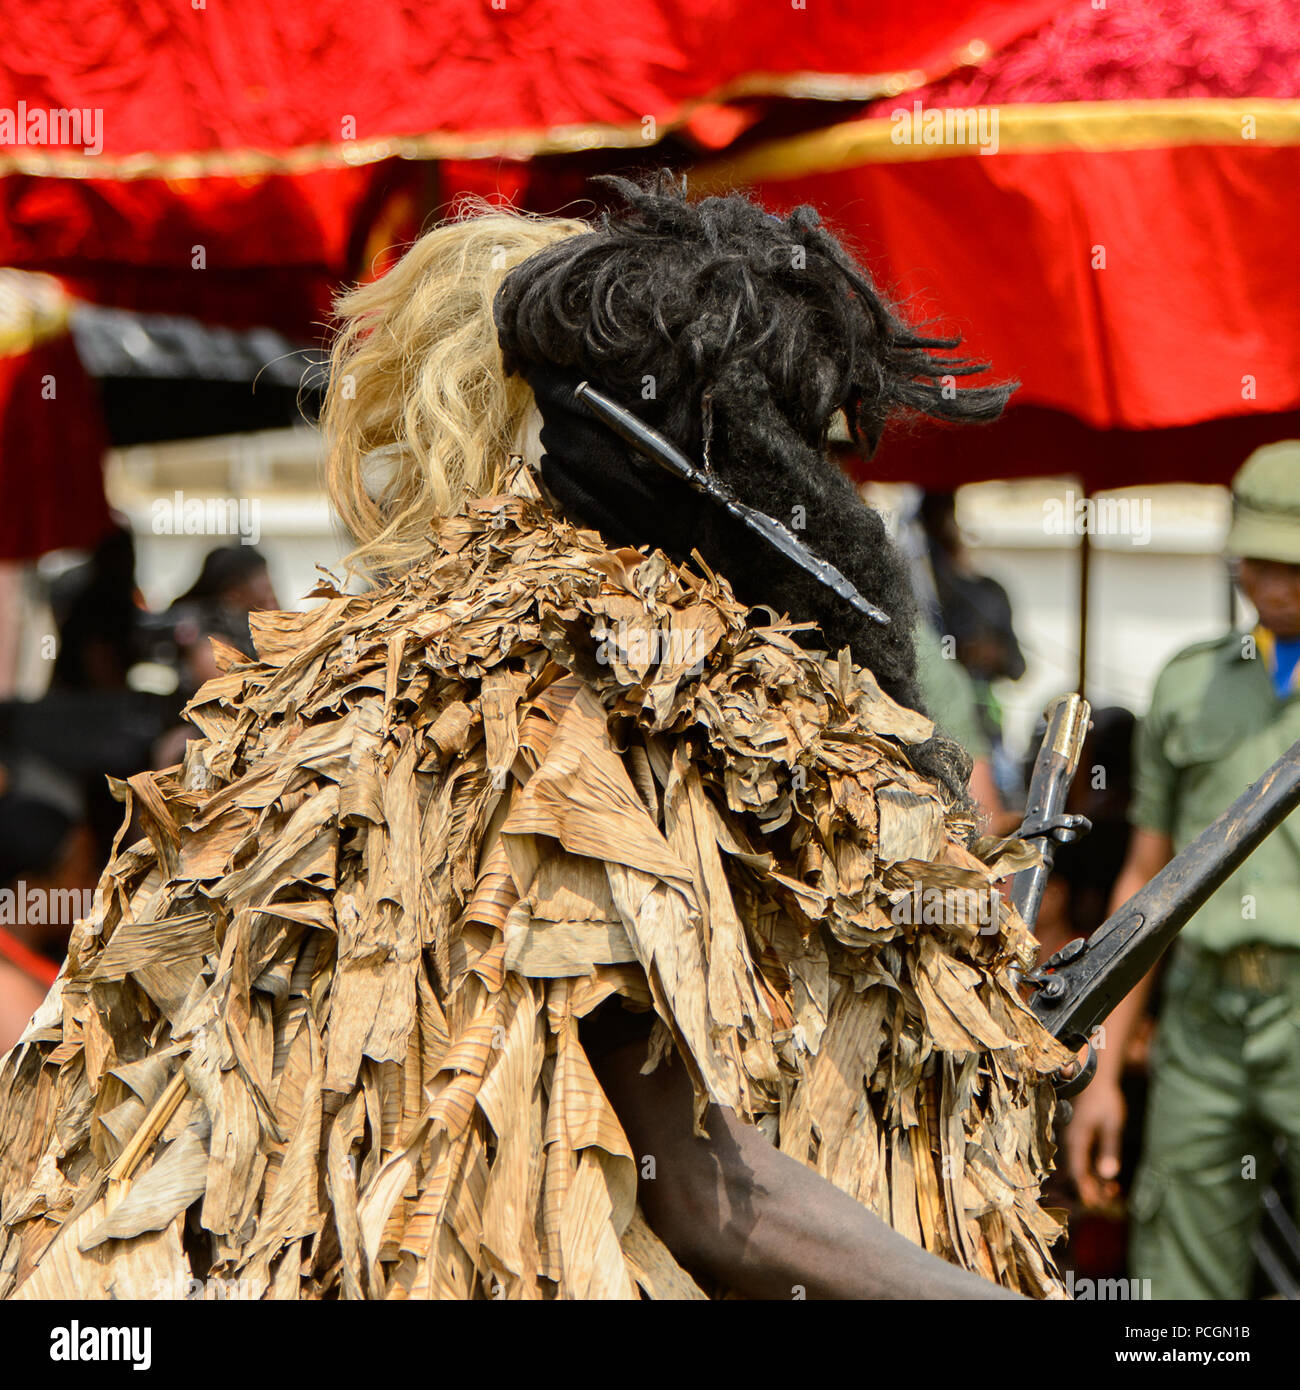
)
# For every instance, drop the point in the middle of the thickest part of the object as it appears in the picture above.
(1240, 644)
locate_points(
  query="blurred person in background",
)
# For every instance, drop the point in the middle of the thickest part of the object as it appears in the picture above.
(233, 582)
(44, 853)
(91, 723)
(1225, 1067)
(97, 608)
(950, 696)
(975, 611)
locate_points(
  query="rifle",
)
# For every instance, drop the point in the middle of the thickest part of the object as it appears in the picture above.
(1077, 988)
(1085, 979)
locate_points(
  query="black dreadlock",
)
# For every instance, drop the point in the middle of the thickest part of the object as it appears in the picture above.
(739, 336)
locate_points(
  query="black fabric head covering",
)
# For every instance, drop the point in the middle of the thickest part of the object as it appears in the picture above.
(738, 335)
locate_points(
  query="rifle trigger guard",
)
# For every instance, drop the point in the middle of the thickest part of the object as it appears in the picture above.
(1071, 1086)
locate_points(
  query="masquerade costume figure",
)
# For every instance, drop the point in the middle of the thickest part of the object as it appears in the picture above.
(357, 1018)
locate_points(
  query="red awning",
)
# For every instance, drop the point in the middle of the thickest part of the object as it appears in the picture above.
(273, 86)
(248, 151)
(1123, 248)
(52, 437)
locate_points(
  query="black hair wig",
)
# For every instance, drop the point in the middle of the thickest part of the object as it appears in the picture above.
(740, 335)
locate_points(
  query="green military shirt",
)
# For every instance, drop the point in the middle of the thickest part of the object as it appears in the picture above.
(1214, 726)
(950, 694)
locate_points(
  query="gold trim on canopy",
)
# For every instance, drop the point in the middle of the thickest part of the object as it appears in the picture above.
(1092, 126)
(499, 144)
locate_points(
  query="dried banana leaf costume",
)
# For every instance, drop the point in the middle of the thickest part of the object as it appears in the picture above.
(326, 1037)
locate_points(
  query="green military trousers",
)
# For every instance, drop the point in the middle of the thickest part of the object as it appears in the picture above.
(1225, 1081)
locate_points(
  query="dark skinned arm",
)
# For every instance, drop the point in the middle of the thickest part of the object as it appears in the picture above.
(1096, 1130)
(761, 1222)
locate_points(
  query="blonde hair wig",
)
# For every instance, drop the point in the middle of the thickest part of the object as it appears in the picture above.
(419, 413)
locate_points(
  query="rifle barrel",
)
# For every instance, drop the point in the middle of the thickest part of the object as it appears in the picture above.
(1066, 721)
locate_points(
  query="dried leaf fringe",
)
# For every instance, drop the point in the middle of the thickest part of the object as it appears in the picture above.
(324, 1040)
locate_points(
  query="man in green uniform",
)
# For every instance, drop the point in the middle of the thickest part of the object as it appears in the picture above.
(1226, 1063)
(951, 701)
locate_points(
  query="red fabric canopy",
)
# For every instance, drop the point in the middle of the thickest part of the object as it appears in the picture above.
(1193, 313)
(268, 134)
(236, 163)
(52, 440)
(1124, 249)
(277, 77)
(257, 250)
